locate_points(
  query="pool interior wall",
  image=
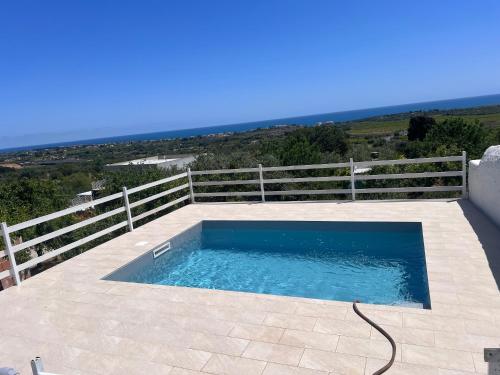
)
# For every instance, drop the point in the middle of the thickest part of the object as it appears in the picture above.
(374, 262)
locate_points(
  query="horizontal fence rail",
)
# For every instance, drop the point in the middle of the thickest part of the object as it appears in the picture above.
(348, 173)
(11, 250)
(393, 176)
(303, 167)
(67, 211)
(409, 161)
(354, 174)
(223, 171)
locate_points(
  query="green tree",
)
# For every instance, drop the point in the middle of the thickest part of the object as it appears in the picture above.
(419, 126)
(329, 139)
(297, 150)
(456, 134)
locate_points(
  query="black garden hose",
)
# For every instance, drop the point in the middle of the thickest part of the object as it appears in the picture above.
(386, 335)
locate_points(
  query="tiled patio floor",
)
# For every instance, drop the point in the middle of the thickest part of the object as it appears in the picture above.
(80, 324)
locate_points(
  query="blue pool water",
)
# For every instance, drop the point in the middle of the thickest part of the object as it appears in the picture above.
(374, 262)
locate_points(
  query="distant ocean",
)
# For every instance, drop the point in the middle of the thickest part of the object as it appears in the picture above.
(302, 120)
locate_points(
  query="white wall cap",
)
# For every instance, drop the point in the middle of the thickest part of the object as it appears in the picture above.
(491, 157)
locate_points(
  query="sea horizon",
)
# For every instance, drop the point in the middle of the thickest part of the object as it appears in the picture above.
(305, 120)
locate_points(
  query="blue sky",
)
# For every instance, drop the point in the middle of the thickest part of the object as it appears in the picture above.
(83, 69)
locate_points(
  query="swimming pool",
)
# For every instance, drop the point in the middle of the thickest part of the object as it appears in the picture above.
(374, 262)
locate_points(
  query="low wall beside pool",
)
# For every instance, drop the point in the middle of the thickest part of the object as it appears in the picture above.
(484, 183)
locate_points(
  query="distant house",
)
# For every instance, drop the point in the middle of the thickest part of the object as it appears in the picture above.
(81, 198)
(164, 162)
(98, 185)
(88, 196)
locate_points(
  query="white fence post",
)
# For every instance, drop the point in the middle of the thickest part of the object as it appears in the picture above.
(261, 178)
(191, 190)
(8, 250)
(353, 181)
(127, 209)
(464, 174)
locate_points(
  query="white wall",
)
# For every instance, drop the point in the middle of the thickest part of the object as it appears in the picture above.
(484, 183)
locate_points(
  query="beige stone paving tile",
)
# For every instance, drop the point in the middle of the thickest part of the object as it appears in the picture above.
(25, 315)
(392, 318)
(97, 362)
(257, 332)
(124, 289)
(179, 357)
(480, 284)
(72, 371)
(333, 362)
(183, 371)
(154, 334)
(473, 299)
(69, 307)
(484, 278)
(481, 328)
(480, 365)
(78, 322)
(399, 368)
(39, 283)
(228, 365)
(284, 354)
(440, 277)
(395, 310)
(103, 299)
(276, 369)
(219, 344)
(116, 313)
(321, 311)
(469, 312)
(439, 267)
(271, 304)
(235, 315)
(145, 304)
(343, 327)
(222, 298)
(54, 294)
(460, 341)
(141, 293)
(444, 287)
(436, 323)
(449, 298)
(95, 342)
(21, 365)
(17, 352)
(471, 267)
(316, 301)
(438, 357)
(480, 288)
(140, 367)
(130, 348)
(186, 310)
(405, 335)
(313, 340)
(211, 326)
(442, 371)
(49, 333)
(367, 348)
(64, 306)
(290, 321)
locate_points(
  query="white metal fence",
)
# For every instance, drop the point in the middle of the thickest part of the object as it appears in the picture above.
(352, 177)
(11, 249)
(260, 182)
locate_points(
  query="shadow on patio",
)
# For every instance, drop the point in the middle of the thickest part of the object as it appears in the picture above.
(488, 234)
